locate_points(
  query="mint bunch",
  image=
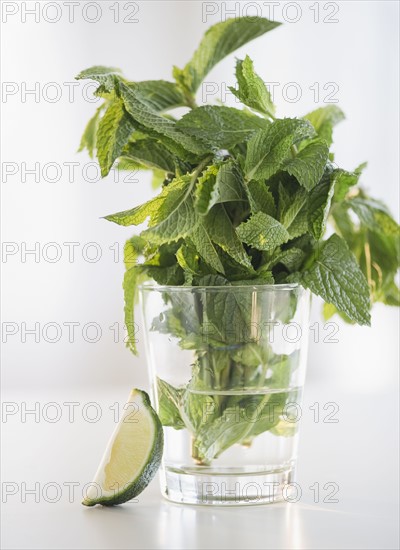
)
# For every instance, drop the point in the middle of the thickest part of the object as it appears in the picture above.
(246, 198)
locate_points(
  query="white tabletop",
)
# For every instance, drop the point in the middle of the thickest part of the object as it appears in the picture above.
(358, 454)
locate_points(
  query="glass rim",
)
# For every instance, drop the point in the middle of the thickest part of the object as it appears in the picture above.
(150, 285)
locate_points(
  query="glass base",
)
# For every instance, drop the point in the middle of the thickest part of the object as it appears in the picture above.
(225, 488)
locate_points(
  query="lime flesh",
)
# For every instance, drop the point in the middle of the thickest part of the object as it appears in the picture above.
(132, 456)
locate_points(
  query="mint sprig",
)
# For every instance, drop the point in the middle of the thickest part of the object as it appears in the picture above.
(246, 198)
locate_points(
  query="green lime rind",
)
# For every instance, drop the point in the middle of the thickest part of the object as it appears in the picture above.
(148, 471)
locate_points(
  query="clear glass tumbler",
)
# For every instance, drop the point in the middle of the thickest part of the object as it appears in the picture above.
(227, 367)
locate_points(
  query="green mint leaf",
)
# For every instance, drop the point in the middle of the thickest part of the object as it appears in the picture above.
(107, 77)
(131, 278)
(165, 275)
(234, 271)
(385, 251)
(324, 119)
(270, 415)
(329, 310)
(188, 259)
(180, 321)
(374, 215)
(206, 194)
(346, 180)
(291, 259)
(138, 107)
(151, 208)
(267, 149)
(161, 95)
(251, 355)
(335, 276)
(282, 367)
(214, 280)
(379, 258)
(129, 164)
(219, 184)
(389, 293)
(169, 401)
(113, 133)
(175, 216)
(264, 278)
(230, 183)
(225, 314)
(169, 322)
(343, 223)
(309, 164)
(151, 154)
(197, 408)
(137, 215)
(129, 286)
(262, 232)
(163, 255)
(222, 233)
(260, 198)
(293, 211)
(218, 42)
(219, 127)
(319, 204)
(205, 247)
(227, 429)
(235, 425)
(88, 140)
(252, 90)
(132, 249)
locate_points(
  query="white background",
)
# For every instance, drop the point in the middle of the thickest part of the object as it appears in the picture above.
(359, 54)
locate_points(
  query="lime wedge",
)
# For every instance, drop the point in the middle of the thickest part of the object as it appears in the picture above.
(132, 456)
